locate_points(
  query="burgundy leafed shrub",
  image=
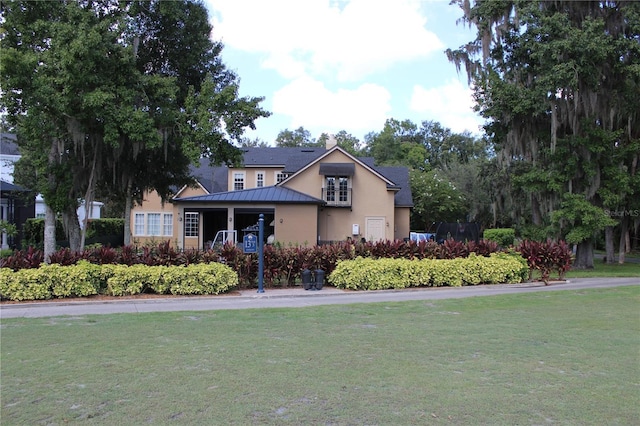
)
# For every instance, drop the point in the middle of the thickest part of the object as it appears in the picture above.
(452, 249)
(23, 259)
(102, 255)
(482, 247)
(127, 256)
(65, 257)
(546, 257)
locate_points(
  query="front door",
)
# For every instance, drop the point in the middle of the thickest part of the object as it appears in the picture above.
(374, 228)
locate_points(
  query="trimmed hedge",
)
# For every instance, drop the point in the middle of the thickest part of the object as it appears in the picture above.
(378, 274)
(86, 279)
(503, 236)
(107, 231)
(202, 278)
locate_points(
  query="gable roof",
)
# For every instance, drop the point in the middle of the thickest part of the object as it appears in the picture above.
(327, 152)
(267, 194)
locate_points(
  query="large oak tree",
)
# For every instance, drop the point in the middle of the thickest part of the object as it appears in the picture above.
(117, 97)
(559, 84)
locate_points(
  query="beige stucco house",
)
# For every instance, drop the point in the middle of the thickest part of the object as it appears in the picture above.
(307, 196)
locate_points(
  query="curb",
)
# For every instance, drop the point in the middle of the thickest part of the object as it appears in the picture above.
(268, 294)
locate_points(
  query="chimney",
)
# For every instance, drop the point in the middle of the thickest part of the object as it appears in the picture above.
(331, 141)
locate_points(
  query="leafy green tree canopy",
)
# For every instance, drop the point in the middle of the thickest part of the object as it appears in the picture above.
(558, 83)
(299, 137)
(117, 97)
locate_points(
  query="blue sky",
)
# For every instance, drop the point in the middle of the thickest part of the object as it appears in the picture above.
(330, 65)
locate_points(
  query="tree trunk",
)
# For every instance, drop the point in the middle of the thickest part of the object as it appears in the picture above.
(128, 205)
(49, 232)
(610, 255)
(89, 198)
(536, 216)
(72, 228)
(584, 255)
(49, 213)
(624, 232)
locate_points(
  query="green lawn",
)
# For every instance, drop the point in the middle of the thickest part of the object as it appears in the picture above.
(601, 269)
(564, 357)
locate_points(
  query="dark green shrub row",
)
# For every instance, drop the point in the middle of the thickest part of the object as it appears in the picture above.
(109, 231)
(33, 232)
(377, 274)
(86, 279)
(504, 237)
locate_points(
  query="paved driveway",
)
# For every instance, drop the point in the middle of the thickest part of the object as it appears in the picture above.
(293, 297)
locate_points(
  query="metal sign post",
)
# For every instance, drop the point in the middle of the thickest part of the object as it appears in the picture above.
(260, 253)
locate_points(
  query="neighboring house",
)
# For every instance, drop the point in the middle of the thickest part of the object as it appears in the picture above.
(14, 210)
(307, 196)
(94, 211)
(9, 155)
(13, 207)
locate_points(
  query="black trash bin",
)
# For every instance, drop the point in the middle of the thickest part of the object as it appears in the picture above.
(319, 279)
(306, 279)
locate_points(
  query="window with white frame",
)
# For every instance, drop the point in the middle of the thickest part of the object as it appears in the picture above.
(238, 181)
(167, 226)
(281, 176)
(153, 224)
(259, 179)
(138, 224)
(191, 222)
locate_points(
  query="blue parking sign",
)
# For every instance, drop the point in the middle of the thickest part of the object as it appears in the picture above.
(250, 243)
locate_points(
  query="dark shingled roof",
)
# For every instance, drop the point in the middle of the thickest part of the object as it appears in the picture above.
(399, 176)
(292, 159)
(268, 194)
(213, 178)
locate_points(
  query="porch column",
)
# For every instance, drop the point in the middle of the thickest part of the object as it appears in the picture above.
(231, 212)
(180, 227)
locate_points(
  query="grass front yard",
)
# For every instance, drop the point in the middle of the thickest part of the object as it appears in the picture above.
(565, 357)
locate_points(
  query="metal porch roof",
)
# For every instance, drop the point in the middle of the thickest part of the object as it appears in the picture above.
(268, 194)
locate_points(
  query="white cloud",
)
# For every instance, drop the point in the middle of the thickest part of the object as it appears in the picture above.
(310, 104)
(451, 105)
(348, 40)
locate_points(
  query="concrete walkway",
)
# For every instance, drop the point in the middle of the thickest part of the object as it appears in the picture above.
(288, 298)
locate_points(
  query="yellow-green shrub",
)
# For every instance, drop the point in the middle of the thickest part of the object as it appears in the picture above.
(202, 278)
(82, 279)
(376, 274)
(25, 284)
(130, 280)
(86, 279)
(373, 274)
